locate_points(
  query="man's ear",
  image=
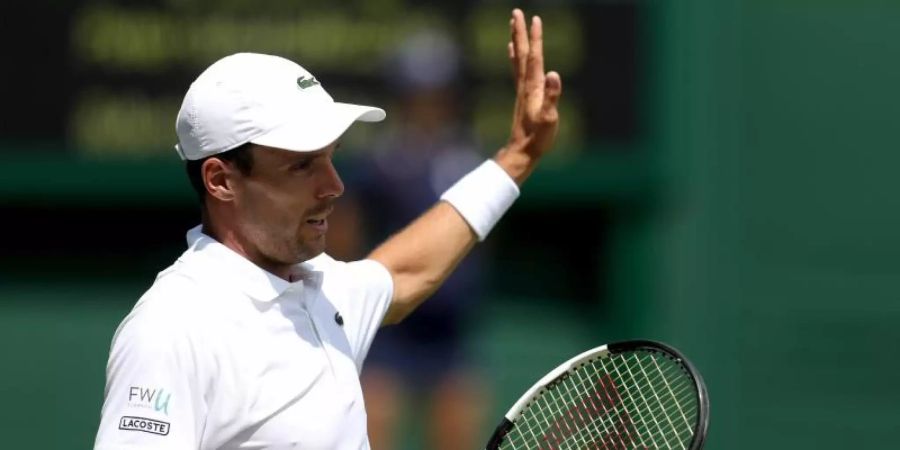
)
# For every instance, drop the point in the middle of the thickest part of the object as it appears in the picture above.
(218, 179)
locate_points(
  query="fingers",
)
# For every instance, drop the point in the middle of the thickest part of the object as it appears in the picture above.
(538, 92)
(520, 42)
(552, 90)
(512, 60)
(534, 77)
(536, 48)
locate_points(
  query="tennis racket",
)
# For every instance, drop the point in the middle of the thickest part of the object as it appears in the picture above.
(622, 396)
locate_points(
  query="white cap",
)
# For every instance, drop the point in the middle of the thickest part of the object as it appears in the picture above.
(263, 99)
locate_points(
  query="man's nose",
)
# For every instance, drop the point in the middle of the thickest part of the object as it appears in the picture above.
(332, 186)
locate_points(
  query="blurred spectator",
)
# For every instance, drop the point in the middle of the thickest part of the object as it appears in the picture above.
(420, 365)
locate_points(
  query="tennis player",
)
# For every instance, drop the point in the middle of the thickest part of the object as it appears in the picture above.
(254, 338)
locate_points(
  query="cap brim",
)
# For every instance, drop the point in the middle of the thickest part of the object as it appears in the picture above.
(309, 133)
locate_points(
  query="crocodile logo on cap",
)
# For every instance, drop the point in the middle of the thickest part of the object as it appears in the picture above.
(305, 82)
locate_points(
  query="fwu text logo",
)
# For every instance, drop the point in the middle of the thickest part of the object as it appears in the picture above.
(156, 399)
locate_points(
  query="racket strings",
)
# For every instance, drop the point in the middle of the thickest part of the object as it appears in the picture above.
(599, 427)
(639, 412)
(657, 415)
(663, 433)
(575, 427)
(636, 400)
(673, 397)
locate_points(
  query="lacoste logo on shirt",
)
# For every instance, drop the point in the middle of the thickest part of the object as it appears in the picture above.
(304, 82)
(144, 424)
(338, 319)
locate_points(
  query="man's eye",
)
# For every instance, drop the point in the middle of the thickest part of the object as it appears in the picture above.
(302, 165)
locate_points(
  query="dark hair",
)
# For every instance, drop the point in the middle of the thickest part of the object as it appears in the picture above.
(240, 156)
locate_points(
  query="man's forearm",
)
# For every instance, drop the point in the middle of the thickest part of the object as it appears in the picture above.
(422, 255)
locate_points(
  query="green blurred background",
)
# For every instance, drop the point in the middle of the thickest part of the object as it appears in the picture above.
(726, 182)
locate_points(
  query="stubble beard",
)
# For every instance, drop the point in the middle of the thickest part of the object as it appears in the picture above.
(290, 250)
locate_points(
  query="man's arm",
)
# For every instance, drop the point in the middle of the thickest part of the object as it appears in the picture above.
(422, 255)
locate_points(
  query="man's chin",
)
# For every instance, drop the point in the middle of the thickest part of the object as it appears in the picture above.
(311, 249)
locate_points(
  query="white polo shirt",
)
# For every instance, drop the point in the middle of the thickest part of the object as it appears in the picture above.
(220, 354)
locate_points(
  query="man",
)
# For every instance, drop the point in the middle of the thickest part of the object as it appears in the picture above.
(254, 338)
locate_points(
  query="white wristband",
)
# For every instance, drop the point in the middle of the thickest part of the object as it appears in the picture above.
(482, 196)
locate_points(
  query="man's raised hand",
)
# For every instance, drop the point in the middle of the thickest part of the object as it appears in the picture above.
(535, 116)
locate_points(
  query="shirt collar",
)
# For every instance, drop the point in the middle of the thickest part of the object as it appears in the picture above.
(223, 263)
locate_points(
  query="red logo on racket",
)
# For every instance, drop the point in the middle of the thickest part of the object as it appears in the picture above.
(595, 420)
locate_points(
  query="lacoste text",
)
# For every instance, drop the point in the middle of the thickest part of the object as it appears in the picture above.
(143, 424)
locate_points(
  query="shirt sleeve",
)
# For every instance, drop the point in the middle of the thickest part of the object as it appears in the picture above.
(369, 291)
(152, 398)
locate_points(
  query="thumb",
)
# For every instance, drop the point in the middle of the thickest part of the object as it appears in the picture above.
(552, 90)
